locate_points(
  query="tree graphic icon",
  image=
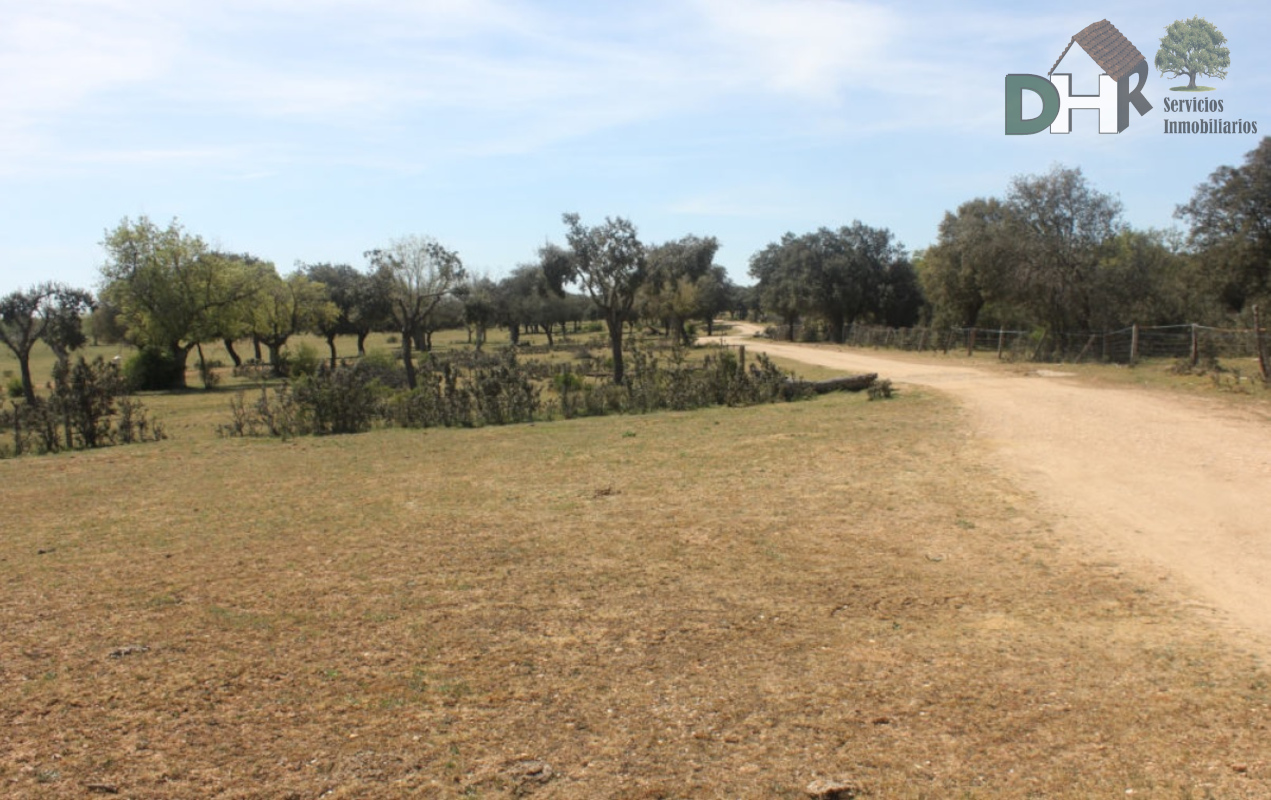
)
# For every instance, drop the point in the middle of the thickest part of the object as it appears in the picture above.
(1193, 47)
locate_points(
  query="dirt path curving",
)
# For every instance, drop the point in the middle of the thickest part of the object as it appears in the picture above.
(1176, 483)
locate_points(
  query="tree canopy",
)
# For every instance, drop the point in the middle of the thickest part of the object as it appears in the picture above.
(856, 272)
(611, 264)
(419, 272)
(171, 290)
(1230, 216)
(1193, 47)
(50, 312)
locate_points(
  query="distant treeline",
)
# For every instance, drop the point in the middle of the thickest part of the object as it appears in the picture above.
(1053, 254)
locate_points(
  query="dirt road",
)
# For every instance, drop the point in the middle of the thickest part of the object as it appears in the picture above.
(1178, 485)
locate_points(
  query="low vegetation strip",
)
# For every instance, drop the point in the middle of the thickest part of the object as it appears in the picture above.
(722, 603)
(477, 389)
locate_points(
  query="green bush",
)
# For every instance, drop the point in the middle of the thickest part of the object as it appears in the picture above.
(151, 369)
(303, 362)
(472, 389)
(13, 388)
(87, 408)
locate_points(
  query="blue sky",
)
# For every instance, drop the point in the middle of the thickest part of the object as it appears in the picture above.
(317, 130)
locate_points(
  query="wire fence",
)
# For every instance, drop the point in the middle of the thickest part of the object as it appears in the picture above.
(1193, 342)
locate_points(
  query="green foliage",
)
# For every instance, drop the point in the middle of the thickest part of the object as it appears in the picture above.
(171, 290)
(418, 273)
(14, 387)
(340, 400)
(304, 361)
(87, 409)
(970, 265)
(1063, 227)
(49, 312)
(285, 307)
(1193, 47)
(839, 276)
(1230, 217)
(151, 369)
(610, 262)
(475, 389)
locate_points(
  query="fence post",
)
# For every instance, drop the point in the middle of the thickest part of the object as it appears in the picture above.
(970, 342)
(922, 341)
(1001, 338)
(1261, 345)
(1089, 344)
(1195, 346)
(741, 359)
(1134, 343)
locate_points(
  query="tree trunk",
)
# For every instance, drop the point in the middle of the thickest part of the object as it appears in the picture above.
(410, 365)
(681, 332)
(615, 343)
(233, 354)
(514, 333)
(548, 329)
(361, 342)
(202, 365)
(710, 325)
(28, 387)
(331, 346)
(256, 347)
(179, 355)
(837, 324)
(847, 383)
(1191, 80)
(275, 355)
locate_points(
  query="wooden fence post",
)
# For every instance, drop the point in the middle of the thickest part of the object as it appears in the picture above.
(970, 342)
(1195, 346)
(1134, 343)
(1001, 338)
(1260, 343)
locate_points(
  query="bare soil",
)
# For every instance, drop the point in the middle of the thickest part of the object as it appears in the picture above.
(1180, 484)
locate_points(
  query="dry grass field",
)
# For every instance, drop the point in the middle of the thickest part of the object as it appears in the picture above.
(724, 603)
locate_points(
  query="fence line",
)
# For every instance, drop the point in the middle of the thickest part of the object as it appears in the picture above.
(1190, 341)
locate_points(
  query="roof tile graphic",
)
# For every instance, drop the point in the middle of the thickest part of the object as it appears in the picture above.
(1114, 53)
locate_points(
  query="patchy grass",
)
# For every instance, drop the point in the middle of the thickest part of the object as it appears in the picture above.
(725, 603)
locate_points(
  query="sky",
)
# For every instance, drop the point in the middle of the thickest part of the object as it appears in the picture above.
(313, 131)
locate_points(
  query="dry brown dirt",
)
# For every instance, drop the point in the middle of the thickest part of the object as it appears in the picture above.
(1178, 485)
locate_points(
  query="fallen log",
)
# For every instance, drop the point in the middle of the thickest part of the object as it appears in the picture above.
(847, 383)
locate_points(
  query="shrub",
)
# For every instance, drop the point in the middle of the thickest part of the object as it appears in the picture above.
(88, 408)
(471, 389)
(340, 400)
(151, 369)
(303, 362)
(13, 388)
(881, 390)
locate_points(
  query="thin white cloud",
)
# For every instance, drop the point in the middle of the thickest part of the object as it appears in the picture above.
(406, 81)
(811, 48)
